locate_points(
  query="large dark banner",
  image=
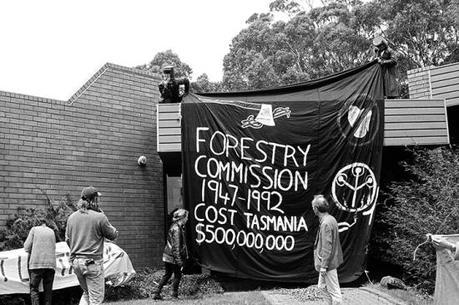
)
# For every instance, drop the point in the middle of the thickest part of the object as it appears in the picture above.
(252, 162)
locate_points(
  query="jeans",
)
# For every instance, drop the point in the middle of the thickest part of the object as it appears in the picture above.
(36, 276)
(90, 274)
(171, 268)
(330, 285)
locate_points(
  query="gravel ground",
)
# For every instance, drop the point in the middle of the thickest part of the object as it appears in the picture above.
(311, 293)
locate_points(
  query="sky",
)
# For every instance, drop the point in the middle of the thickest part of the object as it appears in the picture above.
(50, 48)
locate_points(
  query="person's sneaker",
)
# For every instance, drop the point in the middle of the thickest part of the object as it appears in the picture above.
(157, 296)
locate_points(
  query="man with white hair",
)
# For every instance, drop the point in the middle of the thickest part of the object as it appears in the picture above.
(328, 254)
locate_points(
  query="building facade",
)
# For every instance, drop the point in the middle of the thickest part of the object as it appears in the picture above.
(94, 138)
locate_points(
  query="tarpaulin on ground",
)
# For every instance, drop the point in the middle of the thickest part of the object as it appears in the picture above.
(252, 162)
(447, 278)
(14, 276)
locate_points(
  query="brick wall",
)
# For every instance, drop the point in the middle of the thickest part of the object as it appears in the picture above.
(95, 139)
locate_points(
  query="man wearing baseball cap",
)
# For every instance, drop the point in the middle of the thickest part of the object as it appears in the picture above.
(85, 233)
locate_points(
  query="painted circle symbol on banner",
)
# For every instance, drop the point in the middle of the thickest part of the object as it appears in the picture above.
(358, 120)
(354, 187)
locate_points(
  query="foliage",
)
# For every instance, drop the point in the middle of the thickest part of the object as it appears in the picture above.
(203, 84)
(167, 58)
(425, 202)
(296, 42)
(14, 299)
(411, 296)
(291, 7)
(269, 53)
(18, 227)
(181, 69)
(308, 45)
(314, 42)
(424, 31)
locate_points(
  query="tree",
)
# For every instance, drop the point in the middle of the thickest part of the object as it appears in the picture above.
(268, 53)
(308, 45)
(290, 7)
(314, 42)
(343, 41)
(203, 84)
(167, 58)
(423, 31)
(181, 69)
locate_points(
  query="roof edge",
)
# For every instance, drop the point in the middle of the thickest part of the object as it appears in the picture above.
(102, 70)
(431, 67)
(29, 97)
(293, 87)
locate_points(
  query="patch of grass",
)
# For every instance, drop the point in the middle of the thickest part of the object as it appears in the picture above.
(410, 296)
(240, 298)
(142, 286)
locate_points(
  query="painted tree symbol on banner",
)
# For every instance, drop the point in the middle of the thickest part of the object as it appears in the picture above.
(354, 190)
(354, 187)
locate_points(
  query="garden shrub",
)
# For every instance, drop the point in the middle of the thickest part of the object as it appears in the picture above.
(426, 201)
(18, 226)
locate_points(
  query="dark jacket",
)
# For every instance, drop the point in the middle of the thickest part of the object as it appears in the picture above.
(175, 251)
(327, 247)
(388, 64)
